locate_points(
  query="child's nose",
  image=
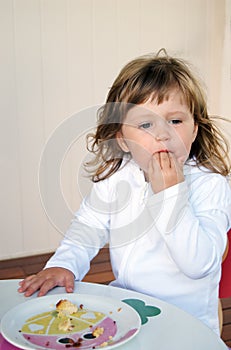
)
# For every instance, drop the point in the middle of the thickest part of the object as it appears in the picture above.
(161, 132)
(162, 136)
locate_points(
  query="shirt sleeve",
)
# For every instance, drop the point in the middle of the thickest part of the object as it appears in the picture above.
(87, 233)
(194, 222)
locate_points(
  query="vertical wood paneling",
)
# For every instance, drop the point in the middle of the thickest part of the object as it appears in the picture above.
(79, 54)
(11, 238)
(104, 41)
(54, 62)
(61, 56)
(152, 24)
(80, 81)
(129, 44)
(174, 30)
(30, 120)
(54, 52)
(226, 65)
(216, 31)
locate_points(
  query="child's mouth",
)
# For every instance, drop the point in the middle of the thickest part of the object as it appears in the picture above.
(161, 151)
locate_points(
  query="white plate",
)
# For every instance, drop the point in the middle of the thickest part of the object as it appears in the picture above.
(119, 321)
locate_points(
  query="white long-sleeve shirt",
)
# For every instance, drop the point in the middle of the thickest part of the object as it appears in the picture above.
(168, 245)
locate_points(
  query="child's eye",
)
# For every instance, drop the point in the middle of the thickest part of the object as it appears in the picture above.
(175, 121)
(146, 125)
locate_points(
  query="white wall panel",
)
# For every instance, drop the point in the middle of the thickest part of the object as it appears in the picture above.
(54, 61)
(104, 51)
(31, 122)
(225, 69)
(129, 23)
(11, 238)
(58, 57)
(79, 54)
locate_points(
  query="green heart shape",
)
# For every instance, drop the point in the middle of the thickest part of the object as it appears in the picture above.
(143, 310)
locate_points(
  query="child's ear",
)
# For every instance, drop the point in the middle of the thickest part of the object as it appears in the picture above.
(195, 131)
(121, 142)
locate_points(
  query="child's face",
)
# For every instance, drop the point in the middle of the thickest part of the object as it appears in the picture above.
(149, 128)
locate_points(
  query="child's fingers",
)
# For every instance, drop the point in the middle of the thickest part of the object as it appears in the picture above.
(174, 163)
(177, 166)
(25, 283)
(69, 284)
(32, 286)
(154, 164)
(164, 160)
(46, 286)
(47, 279)
(66, 281)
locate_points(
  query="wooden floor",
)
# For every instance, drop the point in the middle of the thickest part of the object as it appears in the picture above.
(100, 272)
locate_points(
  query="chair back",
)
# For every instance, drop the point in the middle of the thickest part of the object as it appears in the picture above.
(225, 282)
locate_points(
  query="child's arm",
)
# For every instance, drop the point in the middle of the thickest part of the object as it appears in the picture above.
(193, 221)
(194, 233)
(71, 261)
(47, 279)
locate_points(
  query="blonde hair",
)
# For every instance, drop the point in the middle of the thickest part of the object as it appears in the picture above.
(155, 76)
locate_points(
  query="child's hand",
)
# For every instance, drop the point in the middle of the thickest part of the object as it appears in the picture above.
(164, 171)
(46, 280)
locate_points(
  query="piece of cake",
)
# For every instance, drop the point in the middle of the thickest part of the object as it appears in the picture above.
(65, 308)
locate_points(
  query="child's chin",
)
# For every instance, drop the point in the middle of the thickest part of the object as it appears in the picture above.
(182, 160)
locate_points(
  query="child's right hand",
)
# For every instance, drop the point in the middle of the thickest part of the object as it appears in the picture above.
(47, 279)
(164, 171)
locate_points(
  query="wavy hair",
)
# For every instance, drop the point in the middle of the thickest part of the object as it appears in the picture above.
(155, 76)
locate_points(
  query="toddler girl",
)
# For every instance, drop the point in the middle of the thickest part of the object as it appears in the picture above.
(160, 195)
